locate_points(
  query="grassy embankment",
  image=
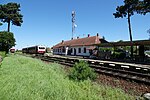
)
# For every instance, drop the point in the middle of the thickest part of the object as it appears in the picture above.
(2, 54)
(31, 79)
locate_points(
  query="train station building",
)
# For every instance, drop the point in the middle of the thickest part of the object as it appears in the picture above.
(79, 46)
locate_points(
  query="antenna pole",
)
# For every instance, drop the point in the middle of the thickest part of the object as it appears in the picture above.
(73, 23)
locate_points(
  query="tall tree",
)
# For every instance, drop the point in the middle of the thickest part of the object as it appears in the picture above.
(7, 40)
(127, 10)
(10, 13)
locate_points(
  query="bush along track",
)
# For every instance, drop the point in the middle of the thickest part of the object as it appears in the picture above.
(81, 71)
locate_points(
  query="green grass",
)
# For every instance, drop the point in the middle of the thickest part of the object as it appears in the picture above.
(23, 78)
(2, 54)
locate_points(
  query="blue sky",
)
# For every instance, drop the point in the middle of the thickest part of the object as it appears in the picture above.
(48, 22)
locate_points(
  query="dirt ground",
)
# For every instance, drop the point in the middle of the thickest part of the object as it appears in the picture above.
(129, 87)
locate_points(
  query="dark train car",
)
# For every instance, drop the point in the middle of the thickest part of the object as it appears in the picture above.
(25, 50)
(34, 50)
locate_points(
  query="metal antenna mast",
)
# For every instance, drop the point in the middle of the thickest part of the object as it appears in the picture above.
(73, 23)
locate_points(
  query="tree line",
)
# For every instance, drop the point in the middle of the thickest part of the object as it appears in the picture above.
(9, 13)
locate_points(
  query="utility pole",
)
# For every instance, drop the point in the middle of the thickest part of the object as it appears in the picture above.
(73, 23)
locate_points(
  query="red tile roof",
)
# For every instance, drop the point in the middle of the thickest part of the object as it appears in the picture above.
(88, 41)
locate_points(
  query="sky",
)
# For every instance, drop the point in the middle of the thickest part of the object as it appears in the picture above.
(48, 22)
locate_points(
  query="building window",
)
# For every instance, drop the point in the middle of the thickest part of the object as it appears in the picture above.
(84, 50)
(79, 50)
(63, 50)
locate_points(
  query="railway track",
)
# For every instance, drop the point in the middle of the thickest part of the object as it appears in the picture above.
(132, 73)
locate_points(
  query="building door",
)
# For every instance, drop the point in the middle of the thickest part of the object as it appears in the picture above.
(69, 52)
(75, 51)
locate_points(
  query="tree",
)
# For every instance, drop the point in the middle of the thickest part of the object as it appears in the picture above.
(7, 40)
(143, 7)
(10, 13)
(147, 6)
(127, 10)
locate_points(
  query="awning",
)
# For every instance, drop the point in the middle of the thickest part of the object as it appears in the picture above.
(125, 43)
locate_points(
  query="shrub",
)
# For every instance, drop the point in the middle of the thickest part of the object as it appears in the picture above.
(118, 55)
(81, 71)
(115, 55)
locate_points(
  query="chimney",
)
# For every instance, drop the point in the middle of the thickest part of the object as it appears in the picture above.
(97, 34)
(88, 35)
(78, 37)
(71, 38)
(62, 41)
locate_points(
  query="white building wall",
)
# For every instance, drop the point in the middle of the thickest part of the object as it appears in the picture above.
(82, 51)
(59, 51)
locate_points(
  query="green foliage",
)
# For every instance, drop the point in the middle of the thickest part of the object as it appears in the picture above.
(128, 8)
(105, 49)
(2, 54)
(7, 40)
(146, 6)
(118, 55)
(81, 71)
(143, 7)
(10, 13)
